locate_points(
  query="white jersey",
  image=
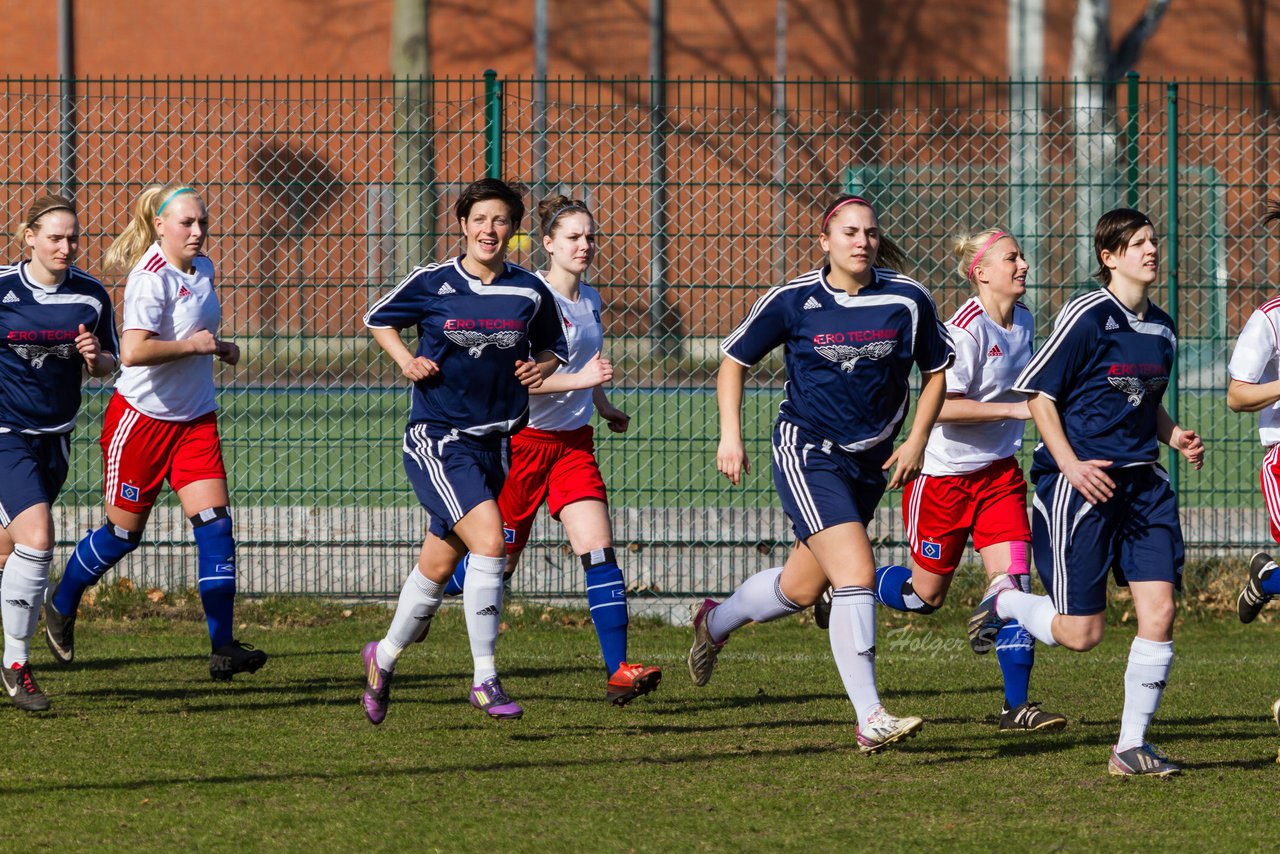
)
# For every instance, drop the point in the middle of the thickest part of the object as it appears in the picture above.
(1255, 360)
(163, 300)
(988, 361)
(584, 333)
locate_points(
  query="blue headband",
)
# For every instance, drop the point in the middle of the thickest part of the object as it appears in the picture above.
(175, 194)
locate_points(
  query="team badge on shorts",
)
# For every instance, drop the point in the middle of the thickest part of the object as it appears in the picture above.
(508, 535)
(931, 550)
(129, 492)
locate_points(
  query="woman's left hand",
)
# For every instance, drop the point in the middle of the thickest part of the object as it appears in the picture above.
(909, 460)
(617, 420)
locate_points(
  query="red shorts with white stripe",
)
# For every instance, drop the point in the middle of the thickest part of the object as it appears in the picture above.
(1271, 488)
(140, 452)
(555, 466)
(940, 512)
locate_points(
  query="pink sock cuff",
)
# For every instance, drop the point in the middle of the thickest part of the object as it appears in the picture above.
(1018, 564)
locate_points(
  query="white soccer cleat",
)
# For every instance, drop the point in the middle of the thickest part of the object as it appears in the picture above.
(883, 729)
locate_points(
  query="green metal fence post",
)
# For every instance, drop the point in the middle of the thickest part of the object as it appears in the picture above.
(1171, 260)
(492, 124)
(1131, 140)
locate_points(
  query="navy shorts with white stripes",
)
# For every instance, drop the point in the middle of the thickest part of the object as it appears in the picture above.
(1135, 534)
(454, 473)
(34, 466)
(820, 485)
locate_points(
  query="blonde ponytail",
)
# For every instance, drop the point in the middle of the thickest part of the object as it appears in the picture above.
(967, 249)
(127, 249)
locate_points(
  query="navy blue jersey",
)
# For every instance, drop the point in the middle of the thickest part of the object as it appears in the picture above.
(475, 333)
(1107, 371)
(848, 357)
(40, 367)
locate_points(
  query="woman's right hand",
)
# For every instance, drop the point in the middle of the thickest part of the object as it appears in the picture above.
(1089, 479)
(598, 371)
(731, 459)
(419, 368)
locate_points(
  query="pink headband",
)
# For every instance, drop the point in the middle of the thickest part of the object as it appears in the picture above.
(992, 239)
(848, 201)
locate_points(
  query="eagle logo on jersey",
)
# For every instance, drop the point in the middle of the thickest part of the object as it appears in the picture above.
(475, 342)
(36, 355)
(1138, 387)
(848, 356)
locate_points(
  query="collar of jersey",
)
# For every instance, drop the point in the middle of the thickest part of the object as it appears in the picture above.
(472, 280)
(32, 283)
(542, 274)
(876, 283)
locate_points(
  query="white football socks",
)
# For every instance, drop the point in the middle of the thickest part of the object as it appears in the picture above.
(853, 643)
(1144, 682)
(26, 575)
(482, 599)
(759, 599)
(419, 600)
(1036, 613)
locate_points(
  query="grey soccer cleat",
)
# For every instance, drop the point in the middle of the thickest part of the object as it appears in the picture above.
(1029, 717)
(1145, 760)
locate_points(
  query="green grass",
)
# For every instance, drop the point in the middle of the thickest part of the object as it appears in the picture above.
(142, 752)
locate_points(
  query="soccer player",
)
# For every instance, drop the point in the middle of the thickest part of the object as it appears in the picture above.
(56, 322)
(1255, 387)
(972, 484)
(161, 423)
(553, 458)
(1102, 501)
(488, 331)
(851, 333)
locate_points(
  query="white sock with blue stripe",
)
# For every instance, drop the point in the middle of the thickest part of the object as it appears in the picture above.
(482, 600)
(853, 643)
(26, 574)
(759, 599)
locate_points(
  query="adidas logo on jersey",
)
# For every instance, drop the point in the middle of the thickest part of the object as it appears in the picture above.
(994, 351)
(11, 297)
(183, 292)
(811, 303)
(446, 289)
(567, 324)
(1111, 324)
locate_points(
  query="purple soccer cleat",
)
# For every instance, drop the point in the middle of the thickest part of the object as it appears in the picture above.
(377, 685)
(489, 698)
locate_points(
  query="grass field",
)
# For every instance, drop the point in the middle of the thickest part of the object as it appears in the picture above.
(142, 752)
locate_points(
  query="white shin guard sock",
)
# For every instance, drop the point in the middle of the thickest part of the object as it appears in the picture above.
(1036, 613)
(759, 599)
(1144, 682)
(853, 643)
(482, 600)
(26, 575)
(419, 600)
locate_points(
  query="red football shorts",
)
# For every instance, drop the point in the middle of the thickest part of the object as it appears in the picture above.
(555, 466)
(940, 513)
(1271, 488)
(140, 452)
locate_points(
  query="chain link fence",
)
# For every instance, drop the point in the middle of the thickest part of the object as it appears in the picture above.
(322, 193)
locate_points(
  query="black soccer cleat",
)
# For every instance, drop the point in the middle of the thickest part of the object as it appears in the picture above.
(235, 657)
(1252, 598)
(59, 631)
(822, 609)
(20, 684)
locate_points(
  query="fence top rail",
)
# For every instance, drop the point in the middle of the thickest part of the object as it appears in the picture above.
(638, 79)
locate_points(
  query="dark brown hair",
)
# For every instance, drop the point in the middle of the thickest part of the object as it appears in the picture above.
(46, 204)
(491, 188)
(1273, 211)
(552, 208)
(1115, 229)
(889, 254)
